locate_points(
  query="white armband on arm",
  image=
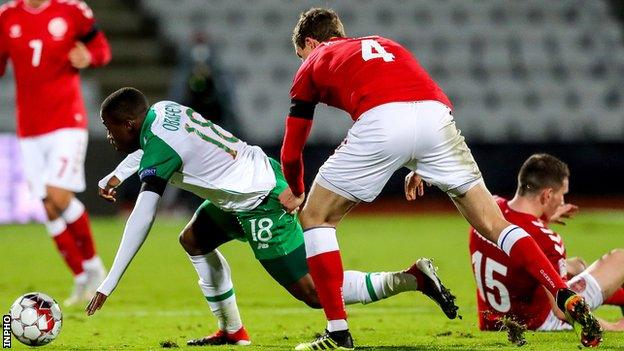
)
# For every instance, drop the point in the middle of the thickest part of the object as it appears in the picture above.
(127, 167)
(137, 227)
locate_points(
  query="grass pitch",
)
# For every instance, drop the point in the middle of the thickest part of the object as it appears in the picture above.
(158, 299)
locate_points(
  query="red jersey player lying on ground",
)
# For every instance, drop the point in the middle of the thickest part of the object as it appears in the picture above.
(401, 119)
(48, 42)
(506, 289)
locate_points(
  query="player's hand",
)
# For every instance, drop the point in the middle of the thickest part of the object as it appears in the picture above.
(107, 191)
(79, 56)
(96, 303)
(414, 186)
(290, 201)
(565, 211)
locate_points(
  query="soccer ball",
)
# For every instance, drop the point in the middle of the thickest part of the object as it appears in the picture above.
(35, 319)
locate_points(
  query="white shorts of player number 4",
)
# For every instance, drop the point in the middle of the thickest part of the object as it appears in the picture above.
(421, 136)
(55, 159)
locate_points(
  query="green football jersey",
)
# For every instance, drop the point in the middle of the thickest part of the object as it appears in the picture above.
(196, 155)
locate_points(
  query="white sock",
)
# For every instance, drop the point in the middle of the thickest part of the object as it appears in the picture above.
(216, 284)
(337, 325)
(74, 210)
(81, 278)
(55, 227)
(93, 264)
(509, 236)
(360, 287)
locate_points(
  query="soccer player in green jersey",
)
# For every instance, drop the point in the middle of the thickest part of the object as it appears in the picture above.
(171, 143)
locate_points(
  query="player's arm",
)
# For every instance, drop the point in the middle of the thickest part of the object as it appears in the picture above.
(124, 170)
(91, 48)
(4, 51)
(563, 213)
(98, 47)
(304, 96)
(4, 57)
(298, 126)
(137, 227)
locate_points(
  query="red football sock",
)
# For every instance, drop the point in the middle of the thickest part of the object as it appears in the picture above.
(327, 273)
(325, 265)
(81, 232)
(79, 226)
(617, 298)
(69, 250)
(521, 248)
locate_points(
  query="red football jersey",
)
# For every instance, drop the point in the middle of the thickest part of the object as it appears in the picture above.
(357, 74)
(38, 42)
(503, 287)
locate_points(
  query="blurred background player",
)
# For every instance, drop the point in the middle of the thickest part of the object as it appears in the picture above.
(240, 185)
(401, 119)
(505, 288)
(48, 42)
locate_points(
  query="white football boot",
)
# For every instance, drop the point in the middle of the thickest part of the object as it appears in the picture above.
(79, 293)
(95, 274)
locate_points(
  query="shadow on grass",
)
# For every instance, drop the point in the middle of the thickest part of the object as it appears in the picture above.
(395, 347)
(418, 348)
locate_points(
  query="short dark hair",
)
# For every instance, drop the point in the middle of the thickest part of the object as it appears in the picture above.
(124, 104)
(317, 23)
(541, 171)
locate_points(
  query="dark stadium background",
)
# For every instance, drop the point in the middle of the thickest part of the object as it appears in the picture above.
(525, 77)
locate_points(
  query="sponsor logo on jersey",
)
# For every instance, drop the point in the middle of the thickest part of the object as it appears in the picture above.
(15, 31)
(148, 172)
(57, 28)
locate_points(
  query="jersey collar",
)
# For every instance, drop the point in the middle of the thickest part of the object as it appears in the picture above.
(147, 123)
(37, 10)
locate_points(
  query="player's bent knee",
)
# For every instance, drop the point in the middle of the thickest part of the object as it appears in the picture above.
(188, 242)
(617, 254)
(51, 211)
(311, 218)
(304, 291)
(59, 198)
(310, 298)
(576, 265)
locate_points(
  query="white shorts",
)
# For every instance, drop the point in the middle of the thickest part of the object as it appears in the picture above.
(419, 135)
(585, 285)
(55, 159)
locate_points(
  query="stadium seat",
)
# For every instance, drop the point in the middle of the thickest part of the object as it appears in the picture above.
(503, 64)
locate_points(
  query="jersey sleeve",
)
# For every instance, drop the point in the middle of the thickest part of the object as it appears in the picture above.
(303, 88)
(159, 160)
(551, 244)
(4, 50)
(91, 35)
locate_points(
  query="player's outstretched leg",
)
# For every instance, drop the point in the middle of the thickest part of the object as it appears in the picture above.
(216, 284)
(337, 340)
(79, 226)
(240, 338)
(430, 284)
(321, 214)
(71, 254)
(577, 310)
(360, 287)
(215, 277)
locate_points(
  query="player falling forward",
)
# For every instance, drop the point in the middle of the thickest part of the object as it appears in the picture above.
(241, 186)
(505, 288)
(401, 119)
(48, 42)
